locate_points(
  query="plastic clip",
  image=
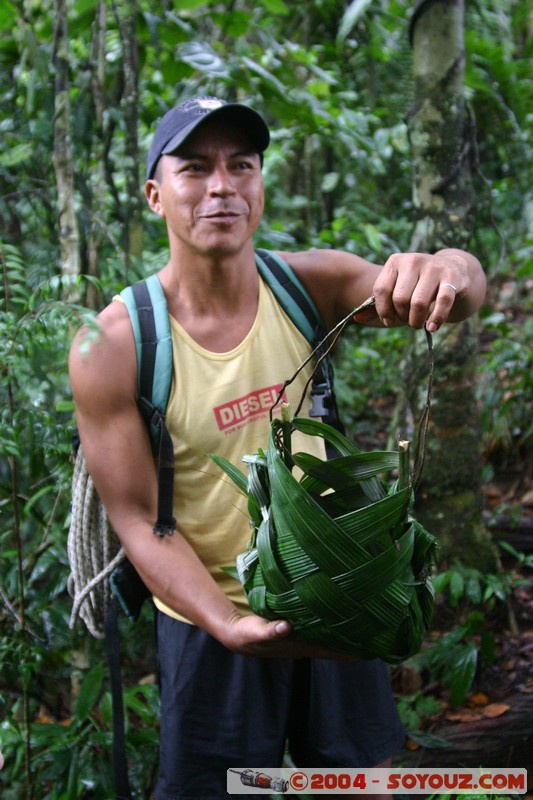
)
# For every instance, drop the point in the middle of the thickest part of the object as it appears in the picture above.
(320, 397)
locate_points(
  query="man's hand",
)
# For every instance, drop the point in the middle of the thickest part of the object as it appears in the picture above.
(416, 289)
(419, 289)
(255, 636)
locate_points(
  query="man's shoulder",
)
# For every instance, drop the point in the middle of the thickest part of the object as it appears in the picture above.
(336, 280)
(318, 260)
(104, 349)
(109, 328)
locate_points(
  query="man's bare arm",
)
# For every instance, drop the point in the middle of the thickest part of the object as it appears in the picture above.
(415, 289)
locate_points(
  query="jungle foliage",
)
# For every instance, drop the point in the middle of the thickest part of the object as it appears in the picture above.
(334, 80)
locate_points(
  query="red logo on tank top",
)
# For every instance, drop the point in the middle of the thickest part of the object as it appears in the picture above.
(244, 409)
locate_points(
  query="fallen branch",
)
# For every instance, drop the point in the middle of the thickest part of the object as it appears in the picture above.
(505, 741)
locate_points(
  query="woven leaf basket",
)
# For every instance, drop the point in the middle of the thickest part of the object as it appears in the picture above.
(336, 551)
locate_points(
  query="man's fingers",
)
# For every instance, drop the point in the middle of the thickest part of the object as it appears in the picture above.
(255, 636)
(419, 290)
(282, 627)
(445, 299)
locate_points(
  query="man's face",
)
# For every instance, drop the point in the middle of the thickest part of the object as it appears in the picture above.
(210, 191)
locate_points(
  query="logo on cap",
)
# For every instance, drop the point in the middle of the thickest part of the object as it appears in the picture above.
(209, 104)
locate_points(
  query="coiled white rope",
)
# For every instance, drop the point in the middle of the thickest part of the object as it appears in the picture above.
(93, 552)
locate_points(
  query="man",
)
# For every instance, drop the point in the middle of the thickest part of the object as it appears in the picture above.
(235, 687)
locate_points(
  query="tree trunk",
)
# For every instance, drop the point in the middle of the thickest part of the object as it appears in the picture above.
(440, 127)
(99, 182)
(126, 17)
(62, 156)
(442, 134)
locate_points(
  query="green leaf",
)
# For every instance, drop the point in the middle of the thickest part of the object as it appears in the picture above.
(73, 775)
(243, 484)
(428, 740)
(313, 427)
(330, 182)
(203, 58)
(457, 585)
(372, 236)
(351, 17)
(231, 571)
(239, 478)
(8, 14)
(267, 76)
(338, 473)
(83, 7)
(276, 6)
(371, 487)
(473, 589)
(462, 673)
(90, 689)
(17, 154)
(185, 5)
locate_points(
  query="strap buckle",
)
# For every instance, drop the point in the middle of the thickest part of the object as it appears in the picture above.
(320, 400)
(164, 528)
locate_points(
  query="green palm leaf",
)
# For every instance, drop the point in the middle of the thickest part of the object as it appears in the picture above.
(336, 551)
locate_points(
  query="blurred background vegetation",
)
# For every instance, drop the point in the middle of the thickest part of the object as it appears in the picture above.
(82, 84)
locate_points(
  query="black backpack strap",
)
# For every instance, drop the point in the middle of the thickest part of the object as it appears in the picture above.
(165, 523)
(302, 311)
(120, 763)
(162, 446)
(145, 315)
(128, 588)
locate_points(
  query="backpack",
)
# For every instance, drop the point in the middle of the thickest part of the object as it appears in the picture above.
(99, 570)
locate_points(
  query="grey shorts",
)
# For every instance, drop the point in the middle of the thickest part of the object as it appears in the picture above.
(221, 710)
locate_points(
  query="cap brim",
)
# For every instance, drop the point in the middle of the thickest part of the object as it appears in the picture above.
(251, 123)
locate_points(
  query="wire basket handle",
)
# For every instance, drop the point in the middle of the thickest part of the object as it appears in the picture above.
(333, 337)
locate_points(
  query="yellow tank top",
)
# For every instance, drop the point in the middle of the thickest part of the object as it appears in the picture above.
(219, 404)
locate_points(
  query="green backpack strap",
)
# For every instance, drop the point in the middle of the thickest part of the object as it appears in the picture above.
(150, 321)
(301, 309)
(148, 312)
(291, 294)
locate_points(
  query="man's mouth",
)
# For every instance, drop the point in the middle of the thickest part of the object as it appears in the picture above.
(222, 215)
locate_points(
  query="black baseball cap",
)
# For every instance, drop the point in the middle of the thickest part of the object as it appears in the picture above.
(182, 120)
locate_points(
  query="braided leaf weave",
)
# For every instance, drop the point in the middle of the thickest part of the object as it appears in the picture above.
(336, 552)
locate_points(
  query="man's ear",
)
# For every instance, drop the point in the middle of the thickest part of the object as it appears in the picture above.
(151, 191)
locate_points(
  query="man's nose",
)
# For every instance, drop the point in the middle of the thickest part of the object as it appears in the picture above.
(221, 181)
